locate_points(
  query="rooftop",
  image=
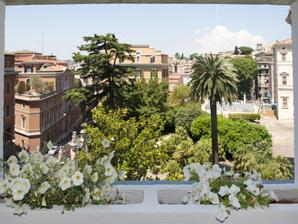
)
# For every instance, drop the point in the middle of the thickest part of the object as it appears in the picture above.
(286, 42)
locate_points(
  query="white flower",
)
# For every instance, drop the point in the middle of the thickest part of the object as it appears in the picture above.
(104, 160)
(222, 214)
(105, 143)
(44, 187)
(273, 195)
(186, 173)
(87, 196)
(88, 170)
(43, 202)
(27, 169)
(65, 183)
(234, 190)
(44, 168)
(94, 177)
(77, 178)
(51, 161)
(234, 201)
(96, 195)
(37, 157)
(223, 190)
(20, 184)
(213, 197)
(18, 195)
(24, 156)
(109, 170)
(236, 175)
(14, 169)
(4, 186)
(12, 160)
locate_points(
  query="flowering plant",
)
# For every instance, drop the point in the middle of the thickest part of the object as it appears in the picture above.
(229, 191)
(32, 180)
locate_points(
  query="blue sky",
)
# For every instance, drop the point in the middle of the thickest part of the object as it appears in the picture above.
(171, 28)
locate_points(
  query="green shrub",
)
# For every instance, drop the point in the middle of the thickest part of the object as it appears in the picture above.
(279, 168)
(186, 114)
(247, 117)
(232, 134)
(173, 171)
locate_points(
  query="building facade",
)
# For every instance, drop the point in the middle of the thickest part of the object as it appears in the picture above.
(149, 63)
(9, 102)
(283, 79)
(265, 82)
(40, 113)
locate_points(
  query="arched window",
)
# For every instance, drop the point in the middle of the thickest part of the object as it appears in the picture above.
(138, 57)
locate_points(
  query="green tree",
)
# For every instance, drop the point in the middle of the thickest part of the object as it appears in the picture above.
(134, 141)
(145, 97)
(179, 96)
(193, 56)
(214, 78)
(177, 55)
(98, 59)
(244, 50)
(247, 70)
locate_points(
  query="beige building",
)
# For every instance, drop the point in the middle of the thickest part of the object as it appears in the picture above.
(149, 63)
(40, 113)
(283, 79)
(265, 88)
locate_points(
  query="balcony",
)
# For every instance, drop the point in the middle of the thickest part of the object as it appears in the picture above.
(157, 202)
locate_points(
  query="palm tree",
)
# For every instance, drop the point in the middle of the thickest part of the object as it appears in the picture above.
(213, 78)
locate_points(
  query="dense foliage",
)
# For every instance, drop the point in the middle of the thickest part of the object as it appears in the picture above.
(134, 141)
(247, 117)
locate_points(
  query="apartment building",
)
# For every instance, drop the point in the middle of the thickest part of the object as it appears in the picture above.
(265, 82)
(283, 79)
(9, 102)
(149, 63)
(40, 113)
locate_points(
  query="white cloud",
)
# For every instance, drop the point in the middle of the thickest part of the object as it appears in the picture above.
(220, 38)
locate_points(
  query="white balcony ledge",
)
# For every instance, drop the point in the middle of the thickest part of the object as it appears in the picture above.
(156, 204)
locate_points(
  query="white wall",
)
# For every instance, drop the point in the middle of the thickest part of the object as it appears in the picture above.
(2, 31)
(295, 75)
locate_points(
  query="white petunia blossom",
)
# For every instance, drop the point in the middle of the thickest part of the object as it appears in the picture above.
(234, 201)
(44, 168)
(12, 160)
(234, 190)
(88, 170)
(37, 157)
(94, 177)
(24, 156)
(14, 169)
(273, 195)
(51, 161)
(77, 178)
(4, 186)
(65, 183)
(44, 187)
(109, 170)
(213, 197)
(96, 195)
(223, 190)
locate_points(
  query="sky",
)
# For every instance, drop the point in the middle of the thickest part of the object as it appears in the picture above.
(187, 28)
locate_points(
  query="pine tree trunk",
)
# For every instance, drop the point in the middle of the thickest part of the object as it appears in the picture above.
(214, 134)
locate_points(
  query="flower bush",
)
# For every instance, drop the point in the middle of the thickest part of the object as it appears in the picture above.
(34, 181)
(229, 191)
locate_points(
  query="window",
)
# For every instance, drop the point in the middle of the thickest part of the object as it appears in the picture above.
(283, 56)
(154, 74)
(7, 87)
(24, 105)
(23, 121)
(138, 73)
(152, 59)
(284, 80)
(7, 110)
(138, 57)
(28, 69)
(284, 102)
